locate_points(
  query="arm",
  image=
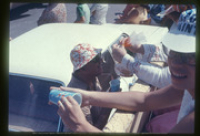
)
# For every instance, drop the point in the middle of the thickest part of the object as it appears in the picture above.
(80, 13)
(153, 52)
(186, 125)
(147, 52)
(73, 117)
(156, 76)
(132, 101)
(137, 101)
(82, 20)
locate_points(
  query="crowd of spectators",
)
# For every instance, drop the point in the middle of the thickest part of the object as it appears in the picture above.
(151, 14)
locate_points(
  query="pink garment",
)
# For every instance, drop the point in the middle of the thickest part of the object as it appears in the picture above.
(163, 123)
(162, 111)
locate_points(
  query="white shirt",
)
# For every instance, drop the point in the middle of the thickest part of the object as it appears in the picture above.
(151, 74)
(187, 106)
(100, 12)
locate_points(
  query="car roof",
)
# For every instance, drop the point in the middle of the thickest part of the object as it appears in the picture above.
(45, 50)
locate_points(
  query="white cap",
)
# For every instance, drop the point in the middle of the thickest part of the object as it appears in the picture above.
(183, 37)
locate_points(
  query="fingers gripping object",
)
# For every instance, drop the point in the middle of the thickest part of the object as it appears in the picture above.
(59, 103)
(55, 96)
(126, 42)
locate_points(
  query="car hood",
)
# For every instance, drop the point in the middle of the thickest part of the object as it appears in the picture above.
(45, 50)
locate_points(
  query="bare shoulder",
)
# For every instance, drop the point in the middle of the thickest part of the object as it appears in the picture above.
(186, 125)
(165, 97)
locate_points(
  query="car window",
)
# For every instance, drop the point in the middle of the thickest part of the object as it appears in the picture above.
(28, 105)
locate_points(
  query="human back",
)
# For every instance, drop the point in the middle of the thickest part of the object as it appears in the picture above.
(98, 13)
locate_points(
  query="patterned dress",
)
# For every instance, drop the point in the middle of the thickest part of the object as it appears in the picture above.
(54, 13)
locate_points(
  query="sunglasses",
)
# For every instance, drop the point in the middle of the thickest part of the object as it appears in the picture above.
(187, 58)
(97, 59)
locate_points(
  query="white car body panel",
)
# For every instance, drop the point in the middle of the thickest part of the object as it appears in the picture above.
(45, 50)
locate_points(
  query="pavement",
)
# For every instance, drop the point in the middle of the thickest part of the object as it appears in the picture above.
(24, 18)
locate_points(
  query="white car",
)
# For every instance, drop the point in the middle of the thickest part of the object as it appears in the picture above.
(40, 58)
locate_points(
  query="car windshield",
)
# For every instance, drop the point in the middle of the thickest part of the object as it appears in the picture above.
(28, 105)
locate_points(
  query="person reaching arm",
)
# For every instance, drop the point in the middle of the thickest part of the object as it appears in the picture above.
(72, 116)
(156, 76)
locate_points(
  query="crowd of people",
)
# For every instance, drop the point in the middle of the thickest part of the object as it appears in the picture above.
(152, 14)
(149, 14)
(57, 12)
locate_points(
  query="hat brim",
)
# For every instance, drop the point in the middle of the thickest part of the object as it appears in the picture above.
(83, 64)
(180, 42)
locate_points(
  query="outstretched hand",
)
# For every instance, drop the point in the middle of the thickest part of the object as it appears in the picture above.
(84, 93)
(118, 52)
(71, 114)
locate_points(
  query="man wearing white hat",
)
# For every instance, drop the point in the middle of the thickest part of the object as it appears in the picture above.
(182, 63)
